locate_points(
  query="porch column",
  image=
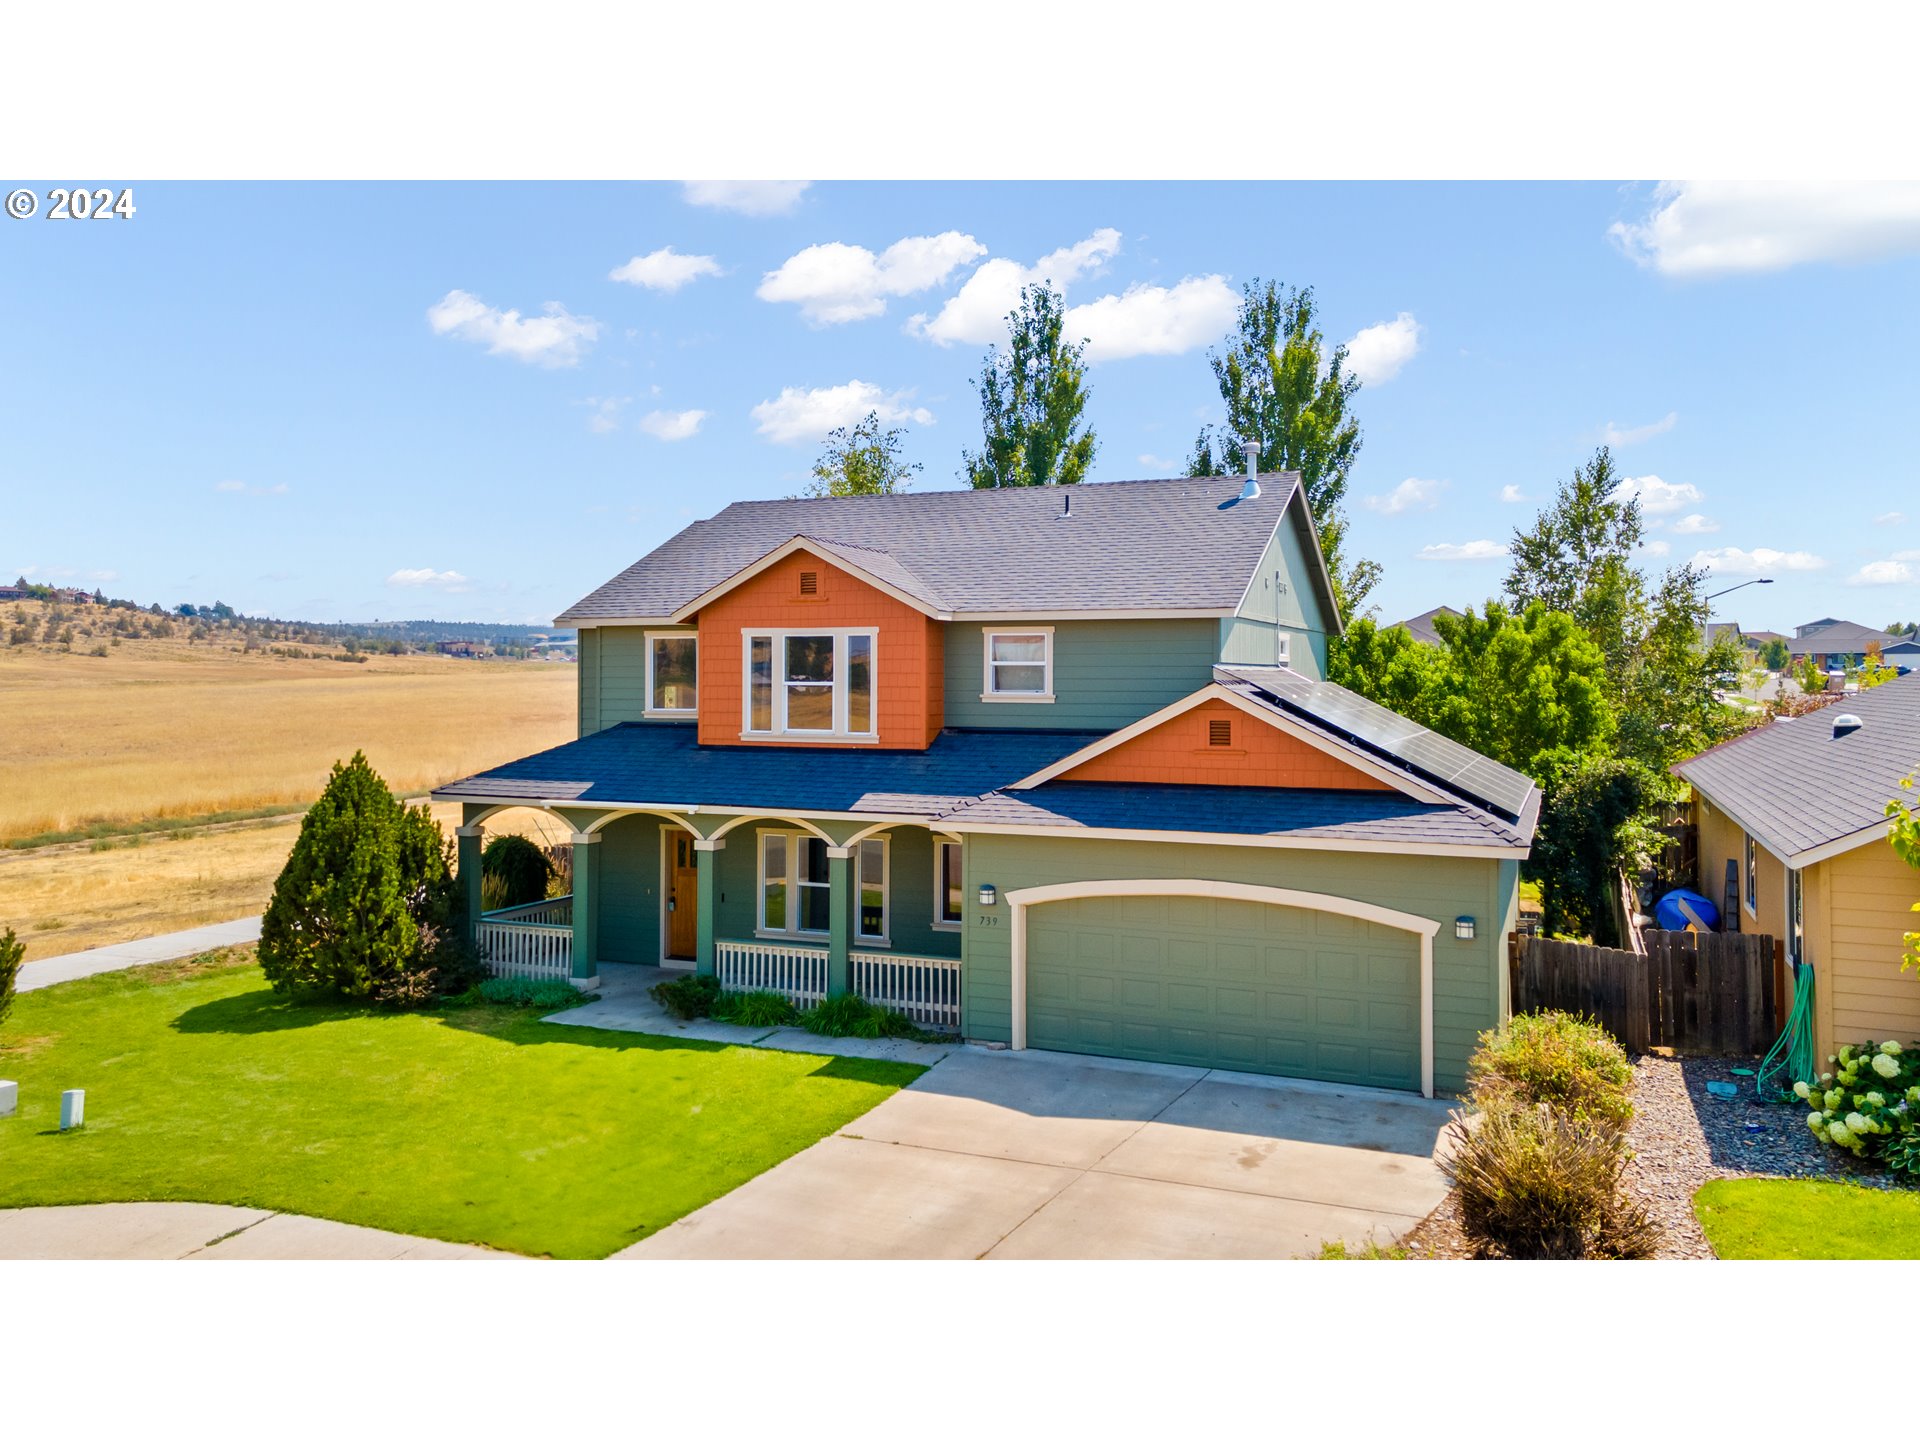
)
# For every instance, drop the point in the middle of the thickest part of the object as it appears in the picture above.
(704, 865)
(471, 837)
(586, 910)
(839, 918)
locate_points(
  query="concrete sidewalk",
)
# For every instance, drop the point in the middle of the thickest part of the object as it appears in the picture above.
(38, 974)
(161, 1230)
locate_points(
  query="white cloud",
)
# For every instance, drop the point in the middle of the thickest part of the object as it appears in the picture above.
(746, 197)
(1760, 561)
(977, 314)
(1885, 572)
(1378, 352)
(1655, 547)
(1724, 228)
(240, 487)
(1510, 495)
(664, 269)
(796, 415)
(1155, 320)
(1657, 496)
(1695, 525)
(554, 338)
(426, 577)
(1471, 550)
(835, 283)
(1618, 435)
(672, 424)
(1892, 517)
(605, 418)
(1409, 494)
(1161, 463)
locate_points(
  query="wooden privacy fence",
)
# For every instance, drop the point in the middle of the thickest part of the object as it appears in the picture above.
(1707, 993)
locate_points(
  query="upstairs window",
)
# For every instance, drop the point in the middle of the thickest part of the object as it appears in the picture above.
(1018, 664)
(810, 685)
(672, 673)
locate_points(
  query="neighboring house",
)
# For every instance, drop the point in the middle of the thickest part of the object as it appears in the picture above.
(1421, 626)
(464, 649)
(1902, 650)
(1798, 807)
(1837, 642)
(1055, 767)
(1756, 639)
(1718, 630)
(13, 592)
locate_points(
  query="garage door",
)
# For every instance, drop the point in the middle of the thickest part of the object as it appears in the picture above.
(1233, 984)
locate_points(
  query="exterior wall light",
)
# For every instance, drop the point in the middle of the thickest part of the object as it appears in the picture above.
(988, 895)
(1463, 928)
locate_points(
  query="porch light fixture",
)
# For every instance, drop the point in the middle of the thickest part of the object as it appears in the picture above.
(1463, 928)
(988, 895)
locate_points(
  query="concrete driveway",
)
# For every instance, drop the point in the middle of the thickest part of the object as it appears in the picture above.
(1036, 1156)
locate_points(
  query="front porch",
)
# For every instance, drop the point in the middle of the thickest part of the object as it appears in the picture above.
(787, 906)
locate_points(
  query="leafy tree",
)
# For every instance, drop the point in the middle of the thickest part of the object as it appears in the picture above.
(1774, 654)
(1521, 686)
(1282, 385)
(514, 871)
(367, 905)
(1596, 819)
(1389, 667)
(13, 952)
(1811, 677)
(1032, 399)
(862, 460)
(1876, 671)
(1904, 835)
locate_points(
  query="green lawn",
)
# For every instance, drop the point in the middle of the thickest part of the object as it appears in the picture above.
(479, 1124)
(1808, 1220)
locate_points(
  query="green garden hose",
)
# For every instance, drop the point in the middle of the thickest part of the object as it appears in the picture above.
(1791, 1058)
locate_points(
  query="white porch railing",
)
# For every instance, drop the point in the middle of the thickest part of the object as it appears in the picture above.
(798, 972)
(924, 989)
(534, 940)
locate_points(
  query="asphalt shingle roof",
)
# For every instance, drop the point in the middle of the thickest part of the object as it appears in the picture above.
(1838, 637)
(1127, 545)
(1795, 785)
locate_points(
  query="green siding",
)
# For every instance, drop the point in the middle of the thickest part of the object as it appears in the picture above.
(1281, 597)
(1466, 997)
(1106, 673)
(629, 877)
(613, 675)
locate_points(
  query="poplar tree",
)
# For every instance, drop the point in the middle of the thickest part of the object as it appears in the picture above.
(1033, 396)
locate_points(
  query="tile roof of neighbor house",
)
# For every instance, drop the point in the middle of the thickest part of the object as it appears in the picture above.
(1836, 637)
(1796, 786)
(1127, 545)
(1421, 626)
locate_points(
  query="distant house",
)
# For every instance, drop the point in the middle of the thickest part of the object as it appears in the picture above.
(1838, 642)
(1905, 650)
(16, 591)
(1421, 626)
(1718, 630)
(1795, 812)
(1759, 639)
(464, 649)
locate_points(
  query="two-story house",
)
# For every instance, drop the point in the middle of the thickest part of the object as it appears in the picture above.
(1054, 767)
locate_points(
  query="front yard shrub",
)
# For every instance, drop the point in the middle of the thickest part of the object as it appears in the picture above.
(1537, 1184)
(529, 994)
(1555, 1059)
(367, 906)
(513, 871)
(1869, 1103)
(759, 1008)
(13, 951)
(856, 1016)
(690, 997)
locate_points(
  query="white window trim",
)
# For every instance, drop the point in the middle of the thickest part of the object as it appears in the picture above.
(839, 734)
(1750, 876)
(987, 691)
(940, 888)
(761, 929)
(884, 940)
(650, 636)
(1283, 649)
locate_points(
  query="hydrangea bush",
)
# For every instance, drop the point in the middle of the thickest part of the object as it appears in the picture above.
(1869, 1103)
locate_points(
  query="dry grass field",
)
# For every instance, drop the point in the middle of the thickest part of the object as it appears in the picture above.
(156, 729)
(74, 897)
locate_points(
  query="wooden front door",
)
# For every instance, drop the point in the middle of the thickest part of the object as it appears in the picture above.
(683, 896)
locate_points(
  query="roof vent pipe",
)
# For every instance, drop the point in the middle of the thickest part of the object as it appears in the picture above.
(1251, 490)
(1066, 504)
(1845, 725)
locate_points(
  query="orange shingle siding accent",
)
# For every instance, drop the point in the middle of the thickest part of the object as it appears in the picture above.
(1177, 753)
(907, 661)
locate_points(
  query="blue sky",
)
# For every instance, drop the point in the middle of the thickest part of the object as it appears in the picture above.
(310, 400)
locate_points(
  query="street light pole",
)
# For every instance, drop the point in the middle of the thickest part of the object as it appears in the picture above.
(1763, 580)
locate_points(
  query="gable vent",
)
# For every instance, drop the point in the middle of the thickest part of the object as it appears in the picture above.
(809, 582)
(1219, 732)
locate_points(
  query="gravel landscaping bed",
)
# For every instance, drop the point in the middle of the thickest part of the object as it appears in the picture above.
(1683, 1137)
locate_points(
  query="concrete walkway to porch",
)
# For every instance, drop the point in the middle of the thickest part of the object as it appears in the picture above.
(626, 1003)
(1032, 1155)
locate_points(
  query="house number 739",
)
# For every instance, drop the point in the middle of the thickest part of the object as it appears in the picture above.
(986, 919)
